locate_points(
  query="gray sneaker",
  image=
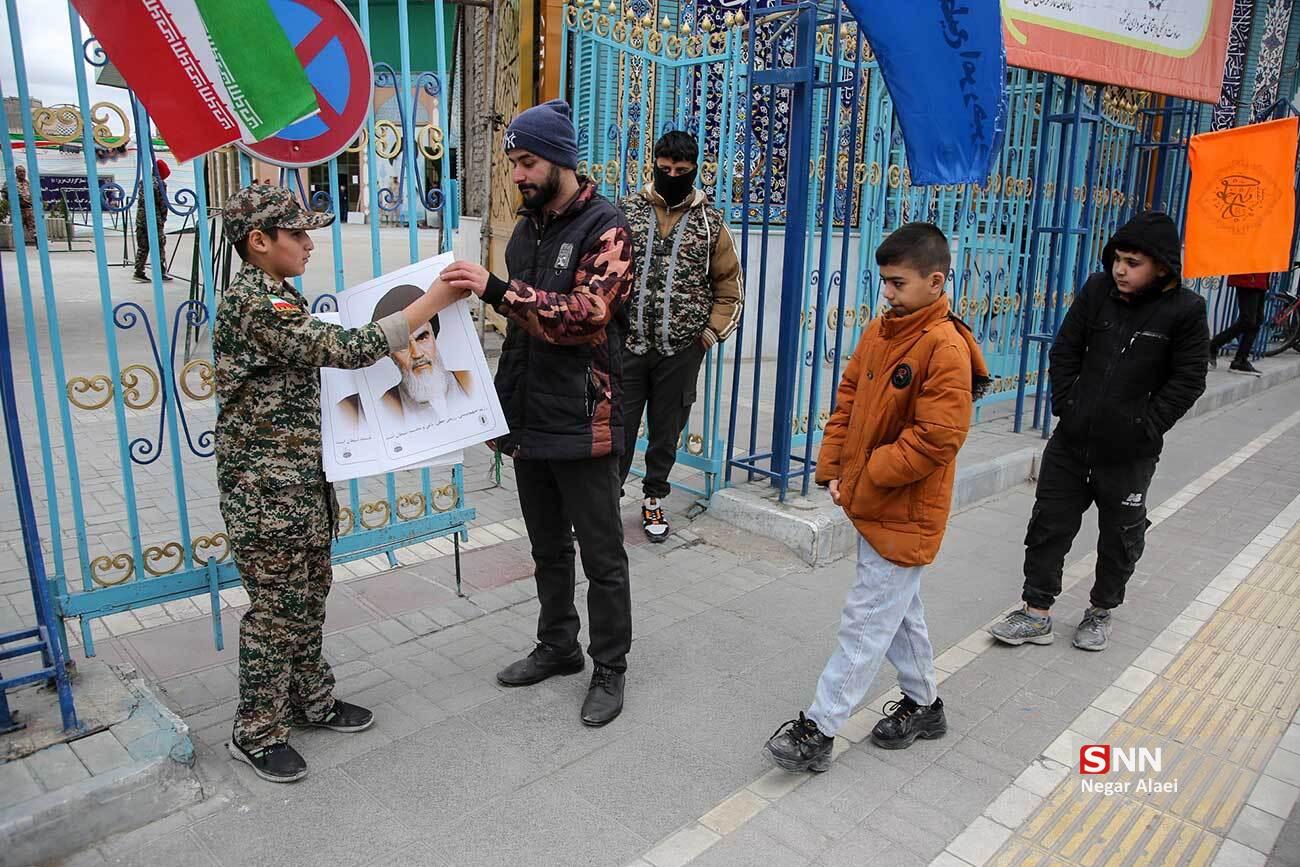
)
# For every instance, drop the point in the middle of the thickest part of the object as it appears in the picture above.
(1020, 626)
(1094, 630)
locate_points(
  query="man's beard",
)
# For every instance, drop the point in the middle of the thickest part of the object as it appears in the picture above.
(534, 199)
(428, 384)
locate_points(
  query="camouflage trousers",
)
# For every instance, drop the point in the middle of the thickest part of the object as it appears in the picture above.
(142, 246)
(282, 672)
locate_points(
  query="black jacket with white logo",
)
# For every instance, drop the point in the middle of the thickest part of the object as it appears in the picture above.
(1126, 368)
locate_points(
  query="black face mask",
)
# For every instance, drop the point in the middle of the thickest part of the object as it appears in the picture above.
(674, 189)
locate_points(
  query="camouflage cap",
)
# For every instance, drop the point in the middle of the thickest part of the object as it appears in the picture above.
(262, 206)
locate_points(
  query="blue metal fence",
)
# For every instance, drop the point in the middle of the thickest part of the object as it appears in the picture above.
(632, 78)
(102, 436)
(841, 124)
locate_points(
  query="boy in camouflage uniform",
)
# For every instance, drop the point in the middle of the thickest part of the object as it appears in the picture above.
(686, 297)
(279, 510)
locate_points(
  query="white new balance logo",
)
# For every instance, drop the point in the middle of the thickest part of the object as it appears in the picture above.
(1132, 500)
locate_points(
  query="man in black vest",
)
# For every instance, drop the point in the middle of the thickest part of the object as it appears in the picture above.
(560, 384)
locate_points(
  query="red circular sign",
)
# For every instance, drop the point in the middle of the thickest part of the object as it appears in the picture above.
(334, 54)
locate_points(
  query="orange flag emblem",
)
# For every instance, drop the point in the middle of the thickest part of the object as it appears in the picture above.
(1241, 204)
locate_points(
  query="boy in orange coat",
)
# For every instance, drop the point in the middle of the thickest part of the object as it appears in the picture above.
(888, 456)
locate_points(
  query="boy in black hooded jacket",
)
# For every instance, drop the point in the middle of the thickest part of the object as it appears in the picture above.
(1129, 362)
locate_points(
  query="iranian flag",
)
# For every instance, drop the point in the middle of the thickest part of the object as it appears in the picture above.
(210, 72)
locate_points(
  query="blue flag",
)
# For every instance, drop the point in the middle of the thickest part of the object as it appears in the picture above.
(946, 69)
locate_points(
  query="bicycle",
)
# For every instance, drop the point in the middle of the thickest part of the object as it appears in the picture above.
(1281, 323)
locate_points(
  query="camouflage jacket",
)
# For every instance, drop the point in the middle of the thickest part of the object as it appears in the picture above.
(691, 243)
(560, 377)
(159, 202)
(269, 352)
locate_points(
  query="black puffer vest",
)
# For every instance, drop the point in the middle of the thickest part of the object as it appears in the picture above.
(563, 402)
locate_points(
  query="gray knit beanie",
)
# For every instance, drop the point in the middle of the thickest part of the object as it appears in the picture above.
(547, 131)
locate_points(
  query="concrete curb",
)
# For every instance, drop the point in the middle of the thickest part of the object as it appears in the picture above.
(820, 532)
(158, 781)
(61, 823)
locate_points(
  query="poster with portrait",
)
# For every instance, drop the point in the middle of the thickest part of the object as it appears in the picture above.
(351, 448)
(420, 404)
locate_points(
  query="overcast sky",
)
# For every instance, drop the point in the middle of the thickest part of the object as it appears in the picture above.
(47, 49)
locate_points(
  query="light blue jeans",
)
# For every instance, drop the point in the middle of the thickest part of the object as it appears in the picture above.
(883, 619)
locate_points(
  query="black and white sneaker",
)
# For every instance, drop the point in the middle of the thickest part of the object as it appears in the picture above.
(278, 763)
(905, 721)
(799, 746)
(653, 521)
(343, 717)
(1245, 368)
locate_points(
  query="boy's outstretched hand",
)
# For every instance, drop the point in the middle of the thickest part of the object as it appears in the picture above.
(467, 276)
(834, 488)
(439, 296)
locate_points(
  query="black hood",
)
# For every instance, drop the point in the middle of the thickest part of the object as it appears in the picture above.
(1150, 232)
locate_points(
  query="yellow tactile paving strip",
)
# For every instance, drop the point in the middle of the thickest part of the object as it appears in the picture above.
(1217, 712)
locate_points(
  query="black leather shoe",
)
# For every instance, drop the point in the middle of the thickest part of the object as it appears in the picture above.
(278, 763)
(342, 717)
(604, 697)
(905, 721)
(799, 746)
(542, 663)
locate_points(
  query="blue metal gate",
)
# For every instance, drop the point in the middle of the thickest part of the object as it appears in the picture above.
(810, 68)
(633, 78)
(122, 409)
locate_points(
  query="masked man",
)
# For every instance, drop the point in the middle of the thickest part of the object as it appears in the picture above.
(686, 298)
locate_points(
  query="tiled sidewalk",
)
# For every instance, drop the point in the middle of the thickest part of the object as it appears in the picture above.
(731, 631)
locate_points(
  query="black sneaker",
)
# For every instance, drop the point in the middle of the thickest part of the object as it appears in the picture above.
(139, 278)
(343, 717)
(905, 721)
(604, 700)
(278, 763)
(653, 521)
(537, 666)
(1245, 368)
(799, 746)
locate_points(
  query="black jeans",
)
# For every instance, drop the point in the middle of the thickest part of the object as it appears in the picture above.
(663, 388)
(561, 499)
(1067, 484)
(1250, 314)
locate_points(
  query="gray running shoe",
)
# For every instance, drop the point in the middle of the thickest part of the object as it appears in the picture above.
(1020, 626)
(1094, 630)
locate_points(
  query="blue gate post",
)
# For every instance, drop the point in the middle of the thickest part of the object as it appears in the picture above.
(1066, 254)
(47, 642)
(799, 79)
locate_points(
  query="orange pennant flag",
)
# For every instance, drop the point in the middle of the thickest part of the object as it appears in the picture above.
(1241, 205)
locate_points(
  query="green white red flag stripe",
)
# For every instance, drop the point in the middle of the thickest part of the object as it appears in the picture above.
(168, 57)
(267, 85)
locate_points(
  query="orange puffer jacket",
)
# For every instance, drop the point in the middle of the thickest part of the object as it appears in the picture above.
(903, 411)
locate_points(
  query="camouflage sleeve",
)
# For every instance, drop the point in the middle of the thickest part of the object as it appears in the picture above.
(601, 285)
(293, 336)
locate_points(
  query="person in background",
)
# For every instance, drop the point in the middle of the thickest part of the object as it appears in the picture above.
(686, 299)
(161, 172)
(1251, 289)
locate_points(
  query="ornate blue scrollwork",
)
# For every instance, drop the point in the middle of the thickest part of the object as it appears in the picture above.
(126, 316)
(94, 52)
(321, 200)
(184, 203)
(195, 314)
(325, 303)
